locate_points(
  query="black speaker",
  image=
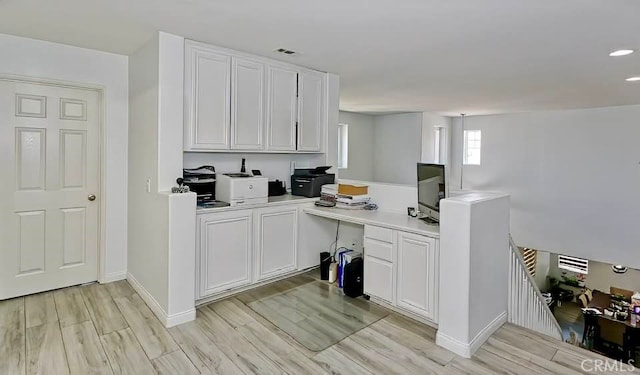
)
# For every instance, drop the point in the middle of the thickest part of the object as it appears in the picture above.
(325, 262)
(353, 278)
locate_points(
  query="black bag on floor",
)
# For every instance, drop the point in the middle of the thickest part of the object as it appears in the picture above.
(353, 278)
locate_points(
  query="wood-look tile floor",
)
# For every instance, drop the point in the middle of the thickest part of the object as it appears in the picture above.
(107, 329)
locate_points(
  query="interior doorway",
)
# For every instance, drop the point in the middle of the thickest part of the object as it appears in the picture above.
(50, 150)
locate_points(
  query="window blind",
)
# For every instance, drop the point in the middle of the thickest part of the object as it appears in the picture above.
(573, 264)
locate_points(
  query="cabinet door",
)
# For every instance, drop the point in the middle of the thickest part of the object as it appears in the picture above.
(282, 108)
(378, 278)
(310, 111)
(207, 98)
(247, 105)
(276, 237)
(225, 255)
(417, 274)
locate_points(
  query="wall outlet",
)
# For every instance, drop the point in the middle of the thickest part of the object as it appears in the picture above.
(356, 244)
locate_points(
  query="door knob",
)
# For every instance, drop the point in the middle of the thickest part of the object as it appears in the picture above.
(91, 197)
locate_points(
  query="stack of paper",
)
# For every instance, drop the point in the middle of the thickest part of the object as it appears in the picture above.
(328, 195)
(352, 201)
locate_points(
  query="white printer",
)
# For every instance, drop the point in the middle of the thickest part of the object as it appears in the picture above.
(242, 189)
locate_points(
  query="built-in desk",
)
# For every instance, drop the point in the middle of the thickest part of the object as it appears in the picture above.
(386, 219)
(401, 259)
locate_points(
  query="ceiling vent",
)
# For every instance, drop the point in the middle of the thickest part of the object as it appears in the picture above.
(286, 51)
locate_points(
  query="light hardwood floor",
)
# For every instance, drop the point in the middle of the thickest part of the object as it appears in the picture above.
(107, 329)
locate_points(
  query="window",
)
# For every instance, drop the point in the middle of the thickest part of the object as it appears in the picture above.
(343, 146)
(472, 140)
(573, 264)
(530, 258)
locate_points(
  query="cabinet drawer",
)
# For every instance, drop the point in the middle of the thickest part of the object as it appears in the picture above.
(378, 233)
(378, 249)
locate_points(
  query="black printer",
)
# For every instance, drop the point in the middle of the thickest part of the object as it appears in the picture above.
(308, 182)
(202, 181)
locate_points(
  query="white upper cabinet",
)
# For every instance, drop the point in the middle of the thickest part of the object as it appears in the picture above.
(208, 99)
(310, 111)
(248, 89)
(283, 87)
(236, 101)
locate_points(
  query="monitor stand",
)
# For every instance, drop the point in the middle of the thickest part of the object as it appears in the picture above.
(429, 220)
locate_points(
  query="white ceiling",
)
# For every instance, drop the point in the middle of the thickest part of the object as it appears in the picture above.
(445, 56)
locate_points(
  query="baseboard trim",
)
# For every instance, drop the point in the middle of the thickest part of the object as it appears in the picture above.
(180, 318)
(114, 276)
(466, 350)
(148, 299)
(487, 331)
(453, 345)
(401, 311)
(232, 292)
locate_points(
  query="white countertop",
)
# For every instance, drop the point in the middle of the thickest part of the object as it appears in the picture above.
(388, 219)
(273, 201)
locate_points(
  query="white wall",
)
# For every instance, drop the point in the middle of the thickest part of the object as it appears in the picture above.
(148, 211)
(333, 105)
(474, 270)
(429, 122)
(389, 197)
(397, 143)
(600, 276)
(171, 112)
(543, 267)
(34, 58)
(360, 162)
(573, 175)
(161, 225)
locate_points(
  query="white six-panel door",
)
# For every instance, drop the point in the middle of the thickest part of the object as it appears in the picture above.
(49, 195)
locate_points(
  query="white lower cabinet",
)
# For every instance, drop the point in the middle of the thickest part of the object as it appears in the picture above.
(239, 248)
(402, 269)
(417, 286)
(225, 251)
(378, 278)
(275, 231)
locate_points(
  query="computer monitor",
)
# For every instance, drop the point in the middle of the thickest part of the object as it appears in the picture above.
(431, 188)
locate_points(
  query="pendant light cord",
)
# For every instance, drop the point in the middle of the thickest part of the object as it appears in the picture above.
(463, 147)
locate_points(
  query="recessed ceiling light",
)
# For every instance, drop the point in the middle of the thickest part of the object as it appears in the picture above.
(621, 52)
(633, 79)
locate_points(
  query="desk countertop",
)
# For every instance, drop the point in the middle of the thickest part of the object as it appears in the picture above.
(389, 219)
(273, 201)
